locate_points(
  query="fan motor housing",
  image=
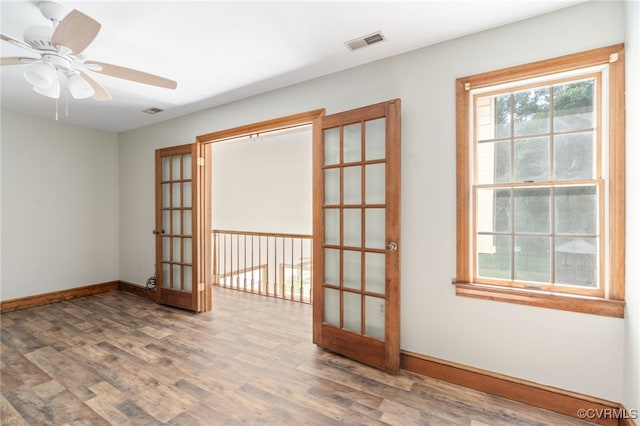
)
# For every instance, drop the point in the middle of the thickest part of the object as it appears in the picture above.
(39, 37)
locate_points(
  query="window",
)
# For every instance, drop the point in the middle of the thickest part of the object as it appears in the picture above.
(541, 183)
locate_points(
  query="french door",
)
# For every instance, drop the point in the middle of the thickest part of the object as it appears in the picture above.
(356, 300)
(180, 245)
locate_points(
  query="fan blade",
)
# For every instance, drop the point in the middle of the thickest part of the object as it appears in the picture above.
(101, 94)
(17, 42)
(16, 61)
(133, 75)
(76, 31)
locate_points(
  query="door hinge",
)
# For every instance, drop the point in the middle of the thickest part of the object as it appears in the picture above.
(200, 161)
(200, 286)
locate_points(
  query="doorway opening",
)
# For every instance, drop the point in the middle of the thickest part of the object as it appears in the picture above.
(261, 207)
(261, 213)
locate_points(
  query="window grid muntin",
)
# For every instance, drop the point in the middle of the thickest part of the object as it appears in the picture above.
(596, 181)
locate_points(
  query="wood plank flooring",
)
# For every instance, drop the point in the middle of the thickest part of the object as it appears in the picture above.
(116, 358)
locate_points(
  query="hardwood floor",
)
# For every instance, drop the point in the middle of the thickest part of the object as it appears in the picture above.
(116, 358)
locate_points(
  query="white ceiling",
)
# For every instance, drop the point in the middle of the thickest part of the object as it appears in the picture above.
(221, 51)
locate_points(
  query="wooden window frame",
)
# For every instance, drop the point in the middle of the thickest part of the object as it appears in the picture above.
(611, 301)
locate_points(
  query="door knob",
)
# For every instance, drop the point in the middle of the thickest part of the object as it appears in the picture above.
(392, 246)
(156, 232)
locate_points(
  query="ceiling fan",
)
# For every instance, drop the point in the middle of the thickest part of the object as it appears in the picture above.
(60, 59)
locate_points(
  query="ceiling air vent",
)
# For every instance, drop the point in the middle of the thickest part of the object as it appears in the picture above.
(152, 110)
(365, 41)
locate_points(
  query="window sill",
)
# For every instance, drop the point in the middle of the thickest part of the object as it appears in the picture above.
(564, 302)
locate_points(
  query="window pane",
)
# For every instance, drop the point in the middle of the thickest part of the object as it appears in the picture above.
(532, 210)
(352, 227)
(332, 146)
(332, 307)
(493, 117)
(375, 184)
(352, 143)
(374, 272)
(374, 317)
(186, 166)
(175, 167)
(352, 313)
(332, 186)
(576, 261)
(352, 267)
(332, 266)
(531, 159)
(573, 106)
(494, 162)
(576, 210)
(375, 139)
(494, 256)
(375, 228)
(332, 226)
(493, 209)
(533, 259)
(531, 112)
(353, 185)
(573, 156)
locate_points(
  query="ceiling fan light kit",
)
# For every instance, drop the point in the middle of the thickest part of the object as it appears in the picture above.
(60, 57)
(78, 86)
(40, 75)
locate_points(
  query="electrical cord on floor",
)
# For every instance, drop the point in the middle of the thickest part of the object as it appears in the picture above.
(151, 283)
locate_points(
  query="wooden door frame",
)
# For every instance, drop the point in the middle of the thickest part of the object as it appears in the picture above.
(205, 143)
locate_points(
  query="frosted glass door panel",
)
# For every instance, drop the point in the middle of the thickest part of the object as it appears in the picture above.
(165, 169)
(375, 228)
(375, 139)
(352, 261)
(166, 273)
(177, 252)
(375, 190)
(175, 195)
(175, 167)
(332, 186)
(352, 143)
(352, 227)
(374, 317)
(176, 281)
(166, 195)
(352, 312)
(332, 306)
(374, 272)
(332, 266)
(332, 146)
(352, 185)
(186, 194)
(177, 222)
(188, 278)
(186, 215)
(166, 221)
(187, 250)
(332, 226)
(166, 249)
(186, 166)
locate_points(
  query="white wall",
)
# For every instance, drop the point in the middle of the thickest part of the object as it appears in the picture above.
(263, 184)
(60, 206)
(632, 331)
(578, 352)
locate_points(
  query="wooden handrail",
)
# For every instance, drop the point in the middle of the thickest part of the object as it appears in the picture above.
(260, 234)
(267, 263)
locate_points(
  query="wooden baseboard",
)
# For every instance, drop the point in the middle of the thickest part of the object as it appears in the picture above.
(561, 401)
(136, 289)
(56, 296)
